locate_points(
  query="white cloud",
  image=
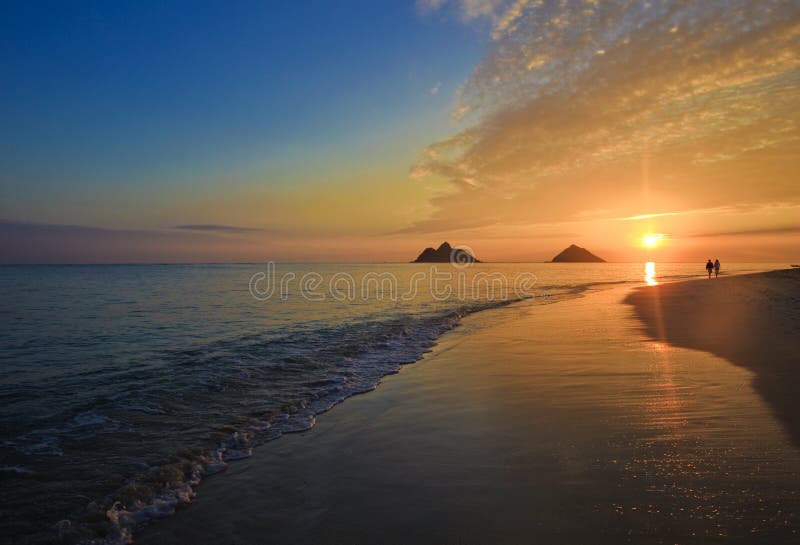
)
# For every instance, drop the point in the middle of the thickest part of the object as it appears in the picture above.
(507, 22)
(430, 5)
(468, 9)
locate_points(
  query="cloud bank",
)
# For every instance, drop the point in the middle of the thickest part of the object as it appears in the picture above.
(214, 228)
(627, 108)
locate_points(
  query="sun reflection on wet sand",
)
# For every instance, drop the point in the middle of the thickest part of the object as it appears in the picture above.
(664, 407)
(650, 273)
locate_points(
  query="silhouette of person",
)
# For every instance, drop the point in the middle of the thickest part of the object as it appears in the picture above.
(716, 268)
(709, 268)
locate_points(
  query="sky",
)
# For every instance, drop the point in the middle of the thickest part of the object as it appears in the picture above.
(365, 131)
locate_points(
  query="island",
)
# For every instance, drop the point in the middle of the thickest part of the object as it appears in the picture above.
(576, 254)
(445, 254)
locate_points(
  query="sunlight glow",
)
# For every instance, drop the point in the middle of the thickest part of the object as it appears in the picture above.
(650, 241)
(650, 273)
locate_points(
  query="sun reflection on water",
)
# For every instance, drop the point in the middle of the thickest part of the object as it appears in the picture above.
(650, 273)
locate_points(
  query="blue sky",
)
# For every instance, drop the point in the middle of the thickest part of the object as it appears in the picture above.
(114, 97)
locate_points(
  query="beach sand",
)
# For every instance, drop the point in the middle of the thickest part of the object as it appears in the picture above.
(751, 320)
(534, 423)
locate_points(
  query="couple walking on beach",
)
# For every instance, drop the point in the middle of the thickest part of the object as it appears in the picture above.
(713, 267)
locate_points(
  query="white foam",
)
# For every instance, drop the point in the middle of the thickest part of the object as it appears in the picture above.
(237, 454)
(359, 368)
(16, 469)
(90, 418)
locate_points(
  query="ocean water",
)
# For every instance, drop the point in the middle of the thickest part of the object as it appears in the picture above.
(122, 387)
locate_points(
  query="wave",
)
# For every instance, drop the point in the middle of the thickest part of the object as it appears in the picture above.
(19, 470)
(322, 366)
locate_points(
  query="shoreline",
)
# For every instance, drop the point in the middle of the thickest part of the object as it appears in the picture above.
(527, 410)
(750, 320)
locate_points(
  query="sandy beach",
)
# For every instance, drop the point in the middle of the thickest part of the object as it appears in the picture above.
(583, 421)
(750, 320)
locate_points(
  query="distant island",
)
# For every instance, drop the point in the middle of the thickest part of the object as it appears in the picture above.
(576, 254)
(445, 254)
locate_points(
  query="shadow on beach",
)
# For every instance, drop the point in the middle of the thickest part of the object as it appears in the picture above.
(750, 320)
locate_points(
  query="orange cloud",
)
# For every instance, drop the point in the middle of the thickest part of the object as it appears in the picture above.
(691, 106)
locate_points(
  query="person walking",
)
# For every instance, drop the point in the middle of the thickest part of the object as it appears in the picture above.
(716, 268)
(709, 268)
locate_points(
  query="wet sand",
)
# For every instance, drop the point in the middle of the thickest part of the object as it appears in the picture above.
(751, 320)
(559, 423)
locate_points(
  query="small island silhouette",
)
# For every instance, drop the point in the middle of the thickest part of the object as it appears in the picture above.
(576, 254)
(445, 254)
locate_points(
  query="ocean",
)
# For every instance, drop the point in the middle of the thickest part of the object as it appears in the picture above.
(123, 386)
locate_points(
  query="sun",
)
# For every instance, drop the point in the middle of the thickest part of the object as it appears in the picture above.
(651, 241)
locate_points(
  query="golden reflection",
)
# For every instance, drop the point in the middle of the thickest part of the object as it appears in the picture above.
(658, 346)
(665, 405)
(650, 273)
